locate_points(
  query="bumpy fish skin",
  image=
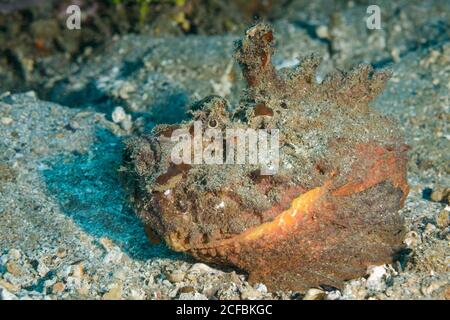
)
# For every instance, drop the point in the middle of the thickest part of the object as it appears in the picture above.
(328, 213)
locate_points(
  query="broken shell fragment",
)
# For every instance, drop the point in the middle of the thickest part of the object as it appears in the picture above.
(328, 212)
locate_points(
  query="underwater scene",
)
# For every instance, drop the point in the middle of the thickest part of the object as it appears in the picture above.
(224, 150)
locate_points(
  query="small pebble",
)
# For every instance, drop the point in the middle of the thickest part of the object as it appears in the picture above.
(9, 286)
(440, 194)
(115, 293)
(430, 228)
(442, 219)
(61, 253)
(176, 276)
(6, 295)
(333, 295)
(138, 294)
(14, 254)
(125, 90)
(314, 294)
(74, 125)
(261, 287)
(118, 115)
(58, 287)
(14, 268)
(187, 289)
(106, 243)
(377, 278)
(192, 296)
(322, 32)
(249, 293)
(78, 270)
(42, 269)
(203, 268)
(411, 239)
(447, 293)
(6, 121)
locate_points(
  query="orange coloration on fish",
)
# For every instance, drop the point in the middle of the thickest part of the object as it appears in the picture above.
(328, 213)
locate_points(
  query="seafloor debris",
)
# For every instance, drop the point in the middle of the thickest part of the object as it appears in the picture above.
(327, 214)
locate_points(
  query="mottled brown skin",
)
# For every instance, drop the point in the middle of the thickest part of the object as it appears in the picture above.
(329, 212)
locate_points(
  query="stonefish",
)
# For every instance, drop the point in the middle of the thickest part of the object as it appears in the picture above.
(331, 209)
